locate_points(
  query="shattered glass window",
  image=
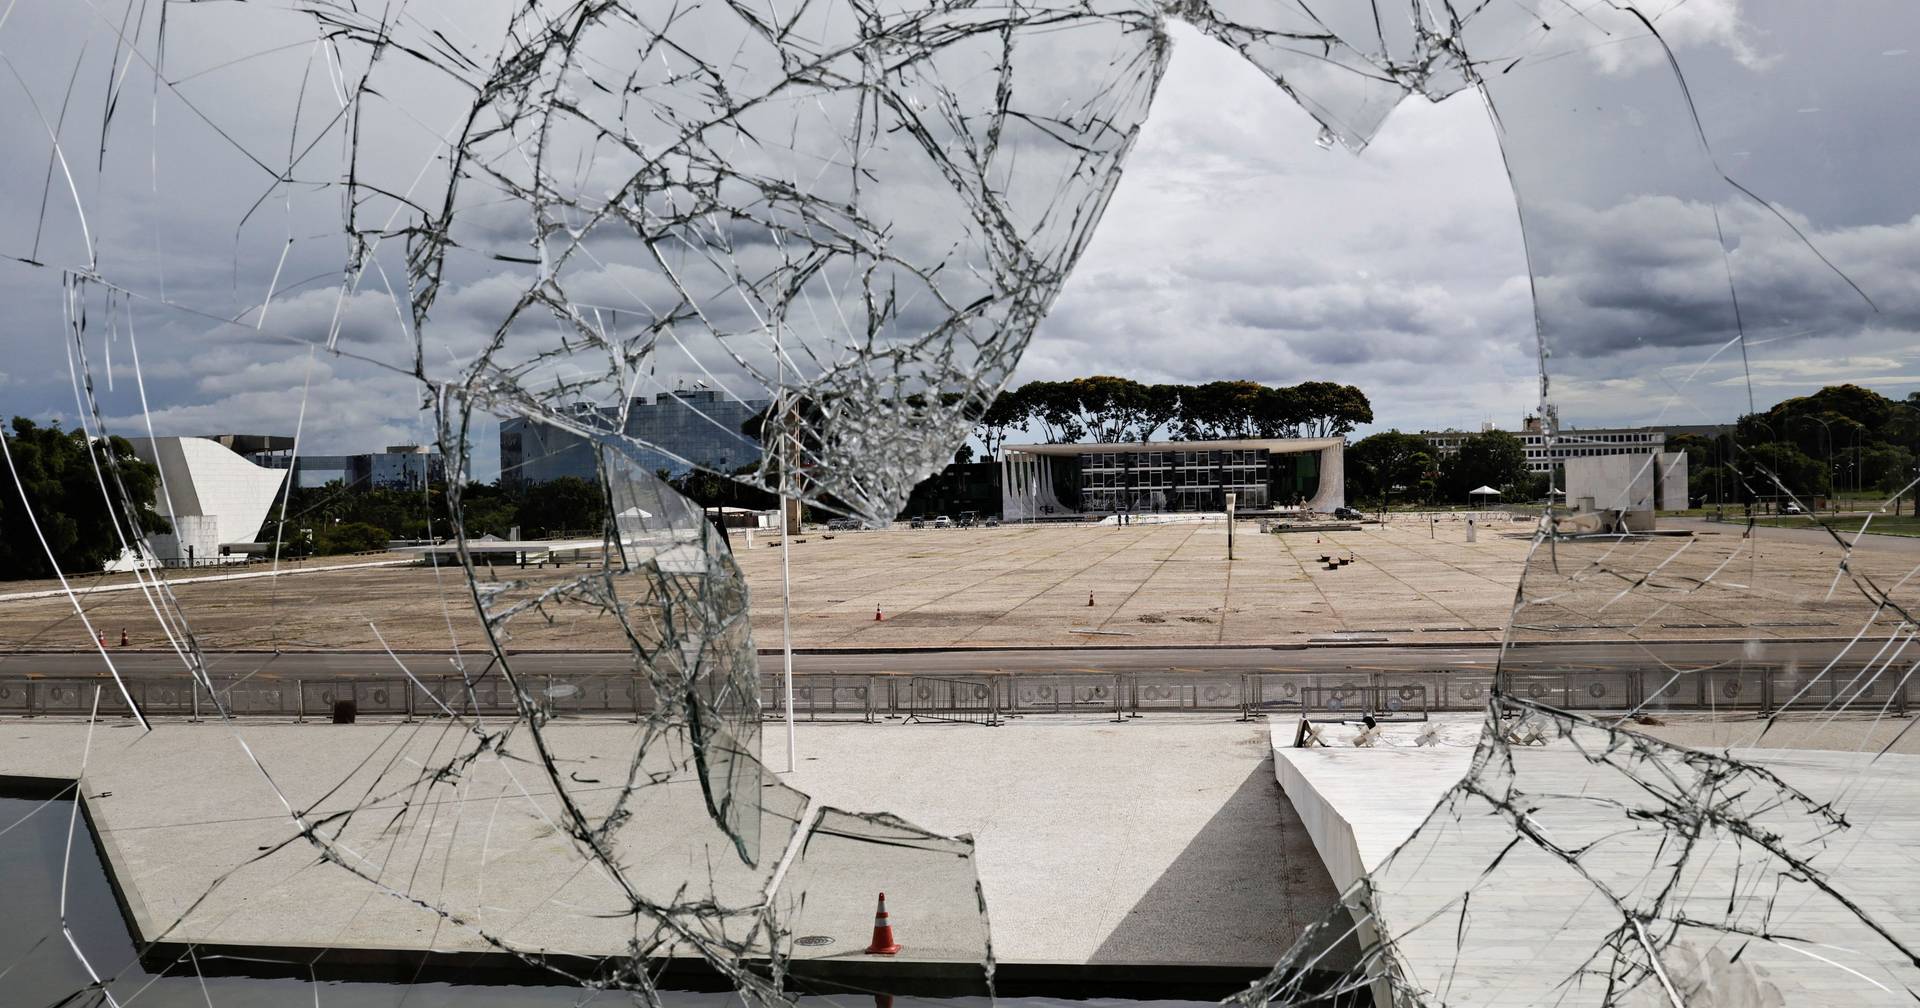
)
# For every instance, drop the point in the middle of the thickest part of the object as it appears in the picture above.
(856, 212)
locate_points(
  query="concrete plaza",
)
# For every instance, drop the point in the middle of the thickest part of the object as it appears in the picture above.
(1171, 584)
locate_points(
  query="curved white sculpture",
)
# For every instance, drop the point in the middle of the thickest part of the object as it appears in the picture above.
(209, 494)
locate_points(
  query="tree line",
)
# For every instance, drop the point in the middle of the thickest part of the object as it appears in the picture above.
(1843, 439)
(335, 518)
(1391, 467)
(1110, 410)
(57, 475)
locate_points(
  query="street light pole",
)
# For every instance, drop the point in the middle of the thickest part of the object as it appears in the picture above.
(786, 554)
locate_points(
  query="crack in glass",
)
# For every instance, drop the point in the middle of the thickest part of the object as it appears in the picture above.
(858, 211)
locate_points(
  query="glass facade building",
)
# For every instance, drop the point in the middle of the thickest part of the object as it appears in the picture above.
(1050, 481)
(1194, 480)
(699, 427)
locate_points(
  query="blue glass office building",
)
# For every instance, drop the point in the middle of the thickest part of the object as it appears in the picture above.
(700, 426)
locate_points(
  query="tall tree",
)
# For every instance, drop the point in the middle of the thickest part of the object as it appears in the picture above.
(1490, 458)
(58, 477)
(1221, 409)
(568, 504)
(1776, 469)
(1328, 409)
(1160, 409)
(1382, 464)
(1278, 413)
(1009, 409)
(1111, 409)
(1056, 406)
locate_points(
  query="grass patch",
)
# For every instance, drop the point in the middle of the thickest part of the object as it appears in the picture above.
(1904, 525)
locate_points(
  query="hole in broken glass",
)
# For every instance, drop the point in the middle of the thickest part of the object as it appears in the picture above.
(764, 249)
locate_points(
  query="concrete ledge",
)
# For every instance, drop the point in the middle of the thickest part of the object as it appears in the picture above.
(1180, 879)
(899, 977)
(1389, 790)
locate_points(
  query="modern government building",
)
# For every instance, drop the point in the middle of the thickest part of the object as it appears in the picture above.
(1571, 442)
(701, 427)
(400, 467)
(1040, 481)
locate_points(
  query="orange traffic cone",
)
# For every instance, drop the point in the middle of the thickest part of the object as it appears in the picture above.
(876, 614)
(1089, 600)
(883, 943)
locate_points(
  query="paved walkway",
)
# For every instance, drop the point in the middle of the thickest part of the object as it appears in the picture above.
(1168, 584)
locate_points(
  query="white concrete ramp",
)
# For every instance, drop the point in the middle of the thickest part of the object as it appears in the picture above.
(1479, 920)
(1359, 804)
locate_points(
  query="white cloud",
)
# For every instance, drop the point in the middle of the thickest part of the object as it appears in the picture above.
(1235, 247)
(1618, 42)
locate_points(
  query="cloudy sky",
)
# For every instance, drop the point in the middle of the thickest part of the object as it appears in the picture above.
(1235, 246)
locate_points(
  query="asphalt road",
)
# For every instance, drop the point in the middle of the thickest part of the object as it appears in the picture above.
(1568, 656)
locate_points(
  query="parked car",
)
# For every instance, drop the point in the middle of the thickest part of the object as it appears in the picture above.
(1791, 508)
(917, 523)
(943, 522)
(993, 523)
(1348, 514)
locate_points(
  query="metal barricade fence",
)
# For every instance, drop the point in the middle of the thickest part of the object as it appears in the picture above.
(1549, 688)
(1391, 702)
(257, 697)
(1205, 691)
(831, 697)
(986, 699)
(1061, 693)
(1834, 689)
(1272, 692)
(1600, 690)
(966, 701)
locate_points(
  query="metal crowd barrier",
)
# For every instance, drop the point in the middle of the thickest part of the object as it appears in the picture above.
(1390, 702)
(830, 697)
(969, 701)
(990, 698)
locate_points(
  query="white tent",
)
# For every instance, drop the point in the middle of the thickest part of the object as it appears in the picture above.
(1483, 491)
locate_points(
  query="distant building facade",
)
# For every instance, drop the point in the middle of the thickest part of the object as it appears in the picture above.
(1055, 480)
(692, 427)
(399, 467)
(958, 489)
(1571, 443)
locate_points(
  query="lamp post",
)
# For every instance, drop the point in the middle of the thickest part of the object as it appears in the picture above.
(1856, 460)
(1828, 427)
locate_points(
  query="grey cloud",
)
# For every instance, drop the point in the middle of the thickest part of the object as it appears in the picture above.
(1639, 274)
